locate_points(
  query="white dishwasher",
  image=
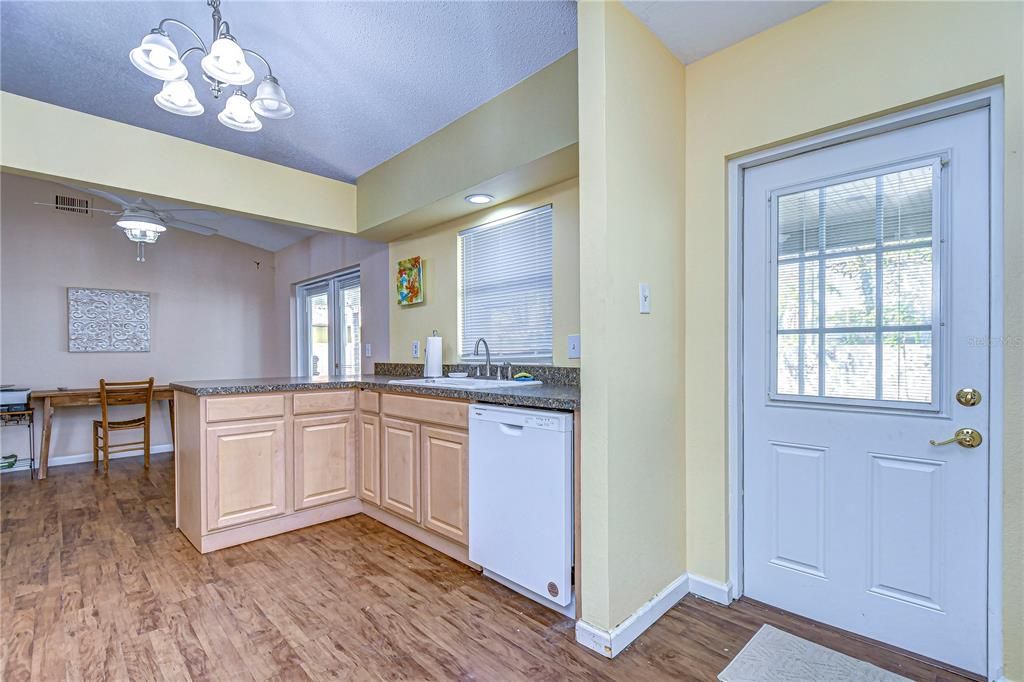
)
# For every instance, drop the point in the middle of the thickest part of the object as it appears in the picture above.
(520, 501)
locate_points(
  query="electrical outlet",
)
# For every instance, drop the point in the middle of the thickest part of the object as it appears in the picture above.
(416, 348)
(645, 298)
(368, 351)
(574, 346)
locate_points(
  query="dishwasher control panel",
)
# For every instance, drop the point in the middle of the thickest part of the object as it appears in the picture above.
(546, 423)
(544, 420)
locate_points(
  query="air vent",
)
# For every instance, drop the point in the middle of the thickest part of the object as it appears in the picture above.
(71, 204)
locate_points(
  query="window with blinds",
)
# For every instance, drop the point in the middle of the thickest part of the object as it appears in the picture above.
(505, 274)
(856, 288)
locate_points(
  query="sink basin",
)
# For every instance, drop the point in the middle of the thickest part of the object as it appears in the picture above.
(467, 384)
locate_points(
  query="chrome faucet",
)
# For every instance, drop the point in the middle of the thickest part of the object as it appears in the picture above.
(487, 351)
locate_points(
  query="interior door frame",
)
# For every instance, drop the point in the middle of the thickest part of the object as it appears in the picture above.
(984, 96)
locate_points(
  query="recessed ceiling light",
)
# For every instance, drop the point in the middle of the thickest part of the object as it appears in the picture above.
(479, 198)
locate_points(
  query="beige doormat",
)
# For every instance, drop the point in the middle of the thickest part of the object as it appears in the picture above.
(776, 656)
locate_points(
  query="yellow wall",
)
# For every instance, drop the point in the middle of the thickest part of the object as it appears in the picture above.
(631, 231)
(438, 247)
(529, 121)
(836, 64)
(60, 144)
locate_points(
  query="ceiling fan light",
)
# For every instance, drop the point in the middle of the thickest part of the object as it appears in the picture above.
(226, 63)
(238, 114)
(270, 100)
(157, 56)
(141, 227)
(178, 97)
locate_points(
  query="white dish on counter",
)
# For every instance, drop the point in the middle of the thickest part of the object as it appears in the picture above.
(458, 375)
(466, 384)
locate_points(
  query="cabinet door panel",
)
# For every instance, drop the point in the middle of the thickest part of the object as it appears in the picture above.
(324, 459)
(445, 454)
(369, 458)
(245, 475)
(400, 468)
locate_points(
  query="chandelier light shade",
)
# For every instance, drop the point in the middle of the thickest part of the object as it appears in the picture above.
(226, 63)
(157, 56)
(270, 100)
(238, 114)
(178, 97)
(223, 64)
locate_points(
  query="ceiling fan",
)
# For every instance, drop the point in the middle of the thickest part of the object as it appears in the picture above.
(141, 221)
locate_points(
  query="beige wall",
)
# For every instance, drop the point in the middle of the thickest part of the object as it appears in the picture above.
(836, 64)
(211, 307)
(631, 231)
(52, 142)
(439, 248)
(529, 121)
(323, 254)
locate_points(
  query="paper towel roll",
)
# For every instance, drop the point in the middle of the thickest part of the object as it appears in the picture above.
(432, 366)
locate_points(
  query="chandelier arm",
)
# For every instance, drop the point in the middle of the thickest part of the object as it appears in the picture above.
(254, 53)
(190, 51)
(185, 26)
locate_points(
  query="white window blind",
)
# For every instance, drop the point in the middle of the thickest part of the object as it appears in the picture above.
(505, 287)
(856, 275)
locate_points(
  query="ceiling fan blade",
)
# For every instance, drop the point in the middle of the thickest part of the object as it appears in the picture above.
(204, 230)
(97, 210)
(112, 198)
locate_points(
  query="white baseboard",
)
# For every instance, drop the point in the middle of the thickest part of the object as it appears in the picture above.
(720, 593)
(611, 642)
(87, 456)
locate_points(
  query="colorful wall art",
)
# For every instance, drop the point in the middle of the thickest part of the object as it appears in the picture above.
(410, 281)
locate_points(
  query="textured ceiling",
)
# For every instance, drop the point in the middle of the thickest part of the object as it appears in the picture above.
(695, 28)
(367, 79)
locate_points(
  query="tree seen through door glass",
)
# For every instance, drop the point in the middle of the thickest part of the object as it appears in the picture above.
(854, 288)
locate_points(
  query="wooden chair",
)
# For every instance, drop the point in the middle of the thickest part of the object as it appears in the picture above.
(121, 393)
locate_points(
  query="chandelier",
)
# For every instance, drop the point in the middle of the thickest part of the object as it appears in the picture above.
(223, 66)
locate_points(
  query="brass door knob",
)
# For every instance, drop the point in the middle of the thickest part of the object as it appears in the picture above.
(965, 438)
(968, 397)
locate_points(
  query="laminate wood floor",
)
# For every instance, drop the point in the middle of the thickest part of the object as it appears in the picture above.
(98, 585)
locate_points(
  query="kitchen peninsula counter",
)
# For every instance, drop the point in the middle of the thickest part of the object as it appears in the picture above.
(545, 396)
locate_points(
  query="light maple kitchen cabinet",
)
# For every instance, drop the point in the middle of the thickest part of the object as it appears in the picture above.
(369, 458)
(423, 467)
(245, 472)
(253, 465)
(445, 457)
(400, 467)
(324, 459)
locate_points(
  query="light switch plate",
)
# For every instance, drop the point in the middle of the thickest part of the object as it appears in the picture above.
(574, 346)
(645, 298)
(416, 349)
(368, 351)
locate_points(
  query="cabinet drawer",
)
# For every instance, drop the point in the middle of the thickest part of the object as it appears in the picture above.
(237, 407)
(448, 412)
(325, 401)
(369, 401)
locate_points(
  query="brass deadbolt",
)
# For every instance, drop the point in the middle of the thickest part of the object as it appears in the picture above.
(968, 397)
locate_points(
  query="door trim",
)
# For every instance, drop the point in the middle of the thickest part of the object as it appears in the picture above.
(986, 97)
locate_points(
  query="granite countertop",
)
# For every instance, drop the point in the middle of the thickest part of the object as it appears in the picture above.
(546, 396)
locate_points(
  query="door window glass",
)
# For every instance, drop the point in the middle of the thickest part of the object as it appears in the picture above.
(855, 274)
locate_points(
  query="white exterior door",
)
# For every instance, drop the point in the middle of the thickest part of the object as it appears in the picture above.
(865, 311)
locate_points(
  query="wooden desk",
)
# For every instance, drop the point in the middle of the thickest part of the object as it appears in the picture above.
(80, 397)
